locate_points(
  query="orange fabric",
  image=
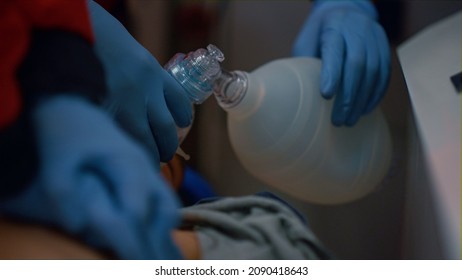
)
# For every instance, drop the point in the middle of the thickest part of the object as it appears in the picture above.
(17, 19)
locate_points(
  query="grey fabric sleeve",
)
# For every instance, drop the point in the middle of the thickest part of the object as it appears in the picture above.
(251, 227)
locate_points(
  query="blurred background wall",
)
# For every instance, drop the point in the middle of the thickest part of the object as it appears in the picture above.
(250, 33)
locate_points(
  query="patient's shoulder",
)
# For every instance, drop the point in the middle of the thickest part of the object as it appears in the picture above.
(29, 241)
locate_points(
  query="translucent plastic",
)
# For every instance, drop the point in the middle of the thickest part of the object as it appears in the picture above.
(280, 129)
(196, 72)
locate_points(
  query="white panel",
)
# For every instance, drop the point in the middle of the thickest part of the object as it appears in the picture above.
(428, 60)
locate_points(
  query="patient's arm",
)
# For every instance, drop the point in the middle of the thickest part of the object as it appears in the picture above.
(30, 241)
(255, 227)
(34, 241)
(249, 227)
(27, 241)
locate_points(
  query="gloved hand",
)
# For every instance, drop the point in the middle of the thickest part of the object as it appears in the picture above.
(355, 56)
(96, 183)
(144, 98)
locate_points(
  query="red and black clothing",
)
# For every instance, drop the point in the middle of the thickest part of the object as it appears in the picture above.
(45, 49)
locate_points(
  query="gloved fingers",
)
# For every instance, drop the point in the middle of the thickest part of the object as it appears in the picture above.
(177, 101)
(162, 126)
(367, 85)
(60, 196)
(160, 237)
(107, 226)
(333, 55)
(384, 69)
(353, 71)
(161, 218)
(140, 129)
(95, 181)
(121, 178)
(135, 186)
(337, 108)
(144, 201)
(164, 217)
(307, 42)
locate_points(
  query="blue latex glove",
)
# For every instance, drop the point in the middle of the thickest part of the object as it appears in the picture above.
(96, 183)
(355, 56)
(144, 98)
